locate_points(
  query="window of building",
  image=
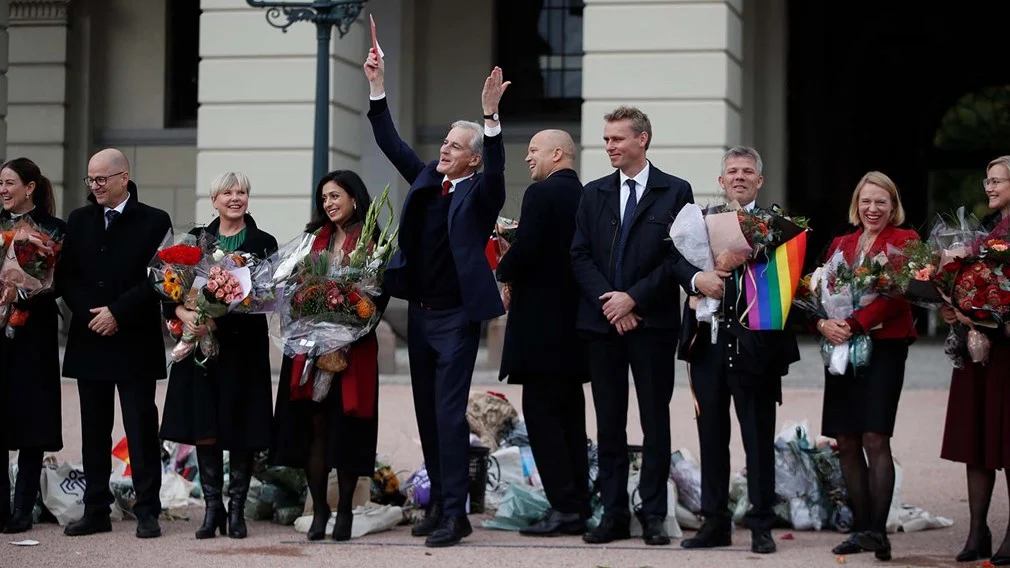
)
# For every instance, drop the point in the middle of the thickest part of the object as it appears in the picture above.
(539, 45)
(182, 63)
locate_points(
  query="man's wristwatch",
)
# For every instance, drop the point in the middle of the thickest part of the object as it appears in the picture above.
(493, 116)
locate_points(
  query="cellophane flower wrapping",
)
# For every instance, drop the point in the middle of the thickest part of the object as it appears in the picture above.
(326, 301)
(224, 282)
(30, 253)
(689, 234)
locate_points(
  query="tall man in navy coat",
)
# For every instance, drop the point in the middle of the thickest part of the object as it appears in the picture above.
(446, 220)
(629, 274)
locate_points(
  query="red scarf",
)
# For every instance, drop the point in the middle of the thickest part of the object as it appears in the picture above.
(359, 381)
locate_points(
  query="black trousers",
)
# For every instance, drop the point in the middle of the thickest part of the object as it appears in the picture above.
(651, 354)
(442, 346)
(555, 412)
(140, 420)
(755, 410)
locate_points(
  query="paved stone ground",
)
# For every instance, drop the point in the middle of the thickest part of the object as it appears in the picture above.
(929, 482)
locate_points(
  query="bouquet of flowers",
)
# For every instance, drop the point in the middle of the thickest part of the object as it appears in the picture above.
(29, 261)
(501, 240)
(836, 290)
(173, 267)
(765, 243)
(328, 302)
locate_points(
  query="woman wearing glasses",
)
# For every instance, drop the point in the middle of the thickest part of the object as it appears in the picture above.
(977, 432)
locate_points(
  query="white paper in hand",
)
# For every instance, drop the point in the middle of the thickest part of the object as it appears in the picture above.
(375, 42)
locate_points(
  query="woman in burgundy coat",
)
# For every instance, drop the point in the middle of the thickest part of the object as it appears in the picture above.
(977, 431)
(860, 407)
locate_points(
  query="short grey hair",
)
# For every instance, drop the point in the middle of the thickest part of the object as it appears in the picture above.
(1004, 160)
(743, 152)
(228, 180)
(477, 142)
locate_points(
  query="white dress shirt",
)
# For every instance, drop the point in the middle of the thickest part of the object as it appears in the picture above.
(641, 182)
(118, 208)
(454, 181)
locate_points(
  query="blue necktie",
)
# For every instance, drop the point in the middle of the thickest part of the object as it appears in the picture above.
(629, 214)
(110, 216)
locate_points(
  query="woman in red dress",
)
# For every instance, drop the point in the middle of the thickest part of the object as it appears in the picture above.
(977, 431)
(860, 406)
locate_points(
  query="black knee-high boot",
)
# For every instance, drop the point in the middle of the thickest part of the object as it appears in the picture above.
(210, 462)
(26, 490)
(238, 489)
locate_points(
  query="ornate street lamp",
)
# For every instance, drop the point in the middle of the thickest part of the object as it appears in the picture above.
(325, 14)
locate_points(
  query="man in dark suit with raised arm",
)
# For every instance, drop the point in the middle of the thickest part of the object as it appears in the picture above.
(542, 350)
(629, 274)
(441, 270)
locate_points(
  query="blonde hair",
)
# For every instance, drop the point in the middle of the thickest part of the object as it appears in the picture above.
(1000, 161)
(879, 179)
(228, 180)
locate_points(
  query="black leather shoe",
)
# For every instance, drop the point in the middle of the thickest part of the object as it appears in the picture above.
(710, 535)
(981, 551)
(761, 542)
(848, 547)
(20, 522)
(450, 532)
(342, 526)
(654, 531)
(877, 542)
(432, 520)
(556, 523)
(609, 530)
(148, 527)
(89, 524)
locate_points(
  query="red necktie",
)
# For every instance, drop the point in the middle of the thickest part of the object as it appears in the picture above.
(445, 187)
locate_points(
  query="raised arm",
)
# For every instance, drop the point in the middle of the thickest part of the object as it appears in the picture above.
(402, 156)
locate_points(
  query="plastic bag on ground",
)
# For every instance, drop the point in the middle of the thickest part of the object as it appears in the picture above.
(796, 478)
(686, 474)
(506, 467)
(369, 518)
(516, 436)
(63, 491)
(520, 507)
(635, 503)
(418, 488)
(490, 416)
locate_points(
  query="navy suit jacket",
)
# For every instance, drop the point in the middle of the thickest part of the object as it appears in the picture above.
(473, 212)
(652, 266)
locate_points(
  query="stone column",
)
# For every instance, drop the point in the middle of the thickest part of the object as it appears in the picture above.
(257, 91)
(681, 63)
(37, 93)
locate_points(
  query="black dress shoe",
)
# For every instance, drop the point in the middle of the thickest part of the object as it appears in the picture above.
(20, 522)
(450, 532)
(148, 527)
(556, 523)
(89, 524)
(877, 542)
(848, 547)
(761, 542)
(342, 526)
(981, 551)
(654, 531)
(710, 535)
(609, 530)
(430, 523)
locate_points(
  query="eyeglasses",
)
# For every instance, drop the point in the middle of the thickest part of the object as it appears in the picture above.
(993, 182)
(100, 181)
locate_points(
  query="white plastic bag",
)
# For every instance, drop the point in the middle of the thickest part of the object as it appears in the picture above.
(63, 491)
(370, 518)
(672, 526)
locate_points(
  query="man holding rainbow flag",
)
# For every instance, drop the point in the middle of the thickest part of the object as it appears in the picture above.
(738, 347)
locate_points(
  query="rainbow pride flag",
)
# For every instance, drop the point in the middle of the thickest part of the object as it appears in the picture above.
(769, 286)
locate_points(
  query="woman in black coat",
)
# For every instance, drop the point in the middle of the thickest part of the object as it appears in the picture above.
(225, 404)
(325, 435)
(30, 361)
